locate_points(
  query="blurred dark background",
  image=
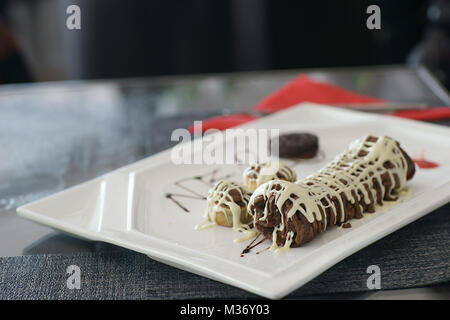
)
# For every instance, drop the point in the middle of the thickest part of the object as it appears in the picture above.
(136, 38)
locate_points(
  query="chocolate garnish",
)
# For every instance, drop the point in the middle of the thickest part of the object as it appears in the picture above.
(252, 245)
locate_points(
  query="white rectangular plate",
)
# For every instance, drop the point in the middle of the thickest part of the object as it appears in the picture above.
(128, 207)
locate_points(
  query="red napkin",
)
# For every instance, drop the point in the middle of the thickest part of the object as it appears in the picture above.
(304, 89)
(223, 122)
(437, 113)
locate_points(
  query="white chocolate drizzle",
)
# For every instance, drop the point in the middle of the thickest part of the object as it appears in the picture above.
(260, 173)
(247, 231)
(219, 199)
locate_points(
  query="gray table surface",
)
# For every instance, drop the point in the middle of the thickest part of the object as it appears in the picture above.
(56, 135)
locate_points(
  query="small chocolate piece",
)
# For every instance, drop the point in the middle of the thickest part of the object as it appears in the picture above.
(346, 225)
(297, 145)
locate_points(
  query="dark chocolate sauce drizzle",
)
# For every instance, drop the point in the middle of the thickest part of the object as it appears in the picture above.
(252, 245)
(258, 252)
(178, 184)
(192, 193)
(213, 178)
(171, 195)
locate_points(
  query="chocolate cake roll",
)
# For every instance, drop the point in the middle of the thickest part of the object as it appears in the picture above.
(227, 205)
(371, 171)
(259, 173)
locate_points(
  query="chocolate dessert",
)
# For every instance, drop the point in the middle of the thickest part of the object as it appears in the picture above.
(227, 205)
(371, 171)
